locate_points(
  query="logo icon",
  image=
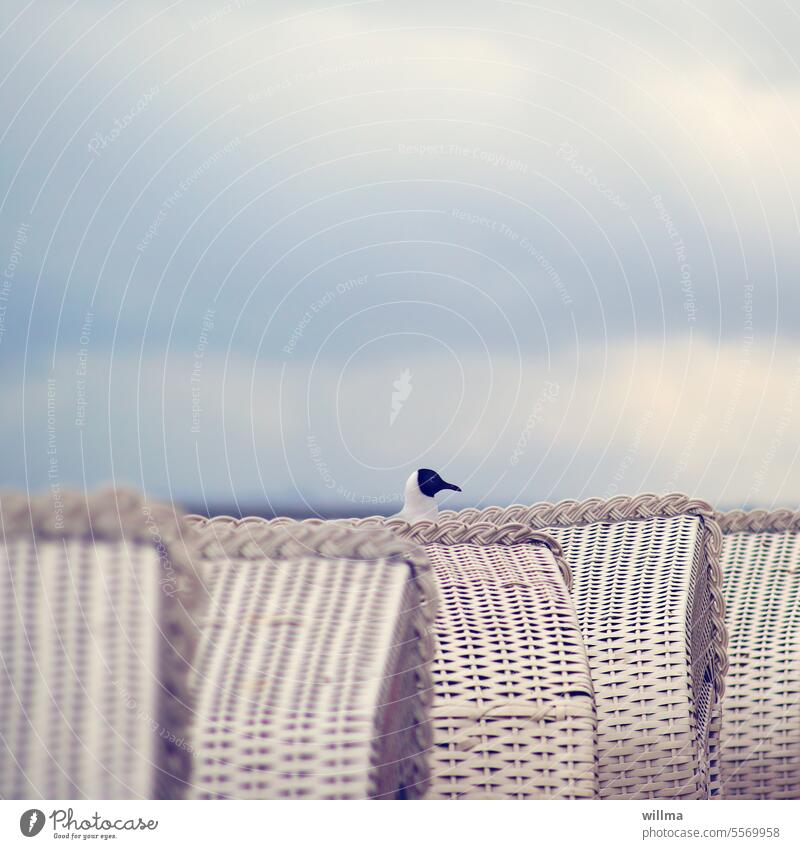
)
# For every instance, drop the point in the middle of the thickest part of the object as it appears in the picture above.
(402, 389)
(31, 822)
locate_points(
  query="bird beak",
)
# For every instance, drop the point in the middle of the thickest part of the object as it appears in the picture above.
(453, 487)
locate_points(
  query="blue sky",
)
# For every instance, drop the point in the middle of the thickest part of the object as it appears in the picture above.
(229, 229)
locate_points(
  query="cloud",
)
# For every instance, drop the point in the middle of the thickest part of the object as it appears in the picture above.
(714, 421)
(585, 198)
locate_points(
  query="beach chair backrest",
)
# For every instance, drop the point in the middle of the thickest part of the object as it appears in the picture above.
(313, 673)
(761, 708)
(97, 609)
(647, 590)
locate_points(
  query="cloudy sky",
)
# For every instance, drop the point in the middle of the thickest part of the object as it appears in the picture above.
(275, 255)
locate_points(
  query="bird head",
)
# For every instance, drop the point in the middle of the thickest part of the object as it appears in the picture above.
(421, 489)
(430, 482)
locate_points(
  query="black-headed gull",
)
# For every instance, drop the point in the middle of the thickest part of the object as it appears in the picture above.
(420, 495)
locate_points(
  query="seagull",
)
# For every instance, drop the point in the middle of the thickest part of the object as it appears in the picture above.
(420, 501)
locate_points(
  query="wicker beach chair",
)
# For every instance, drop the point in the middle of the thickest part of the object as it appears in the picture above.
(513, 713)
(761, 708)
(96, 604)
(646, 584)
(513, 710)
(313, 671)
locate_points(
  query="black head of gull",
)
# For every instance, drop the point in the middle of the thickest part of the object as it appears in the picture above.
(420, 492)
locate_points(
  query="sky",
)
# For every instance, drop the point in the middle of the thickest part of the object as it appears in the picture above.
(273, 256)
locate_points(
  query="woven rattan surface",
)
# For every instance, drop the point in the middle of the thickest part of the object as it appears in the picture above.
(761, 708)
(313, 674)
(96, 606)
(513, 711)
(647, 591)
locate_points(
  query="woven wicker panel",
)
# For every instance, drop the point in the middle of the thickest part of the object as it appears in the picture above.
(513, 712)
(646, 584)
(313, 676)
(92, 650)
(761, 708)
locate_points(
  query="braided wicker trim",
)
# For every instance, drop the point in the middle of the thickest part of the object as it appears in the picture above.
(283, 540)
(759, 521)
(626, 508)
(114, 515)
(570, 512)
(453, 531)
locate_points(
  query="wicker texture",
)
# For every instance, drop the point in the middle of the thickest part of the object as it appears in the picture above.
(513, 711)
(761, 708)
(95, 641)
(647, 591)
(313, 673)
